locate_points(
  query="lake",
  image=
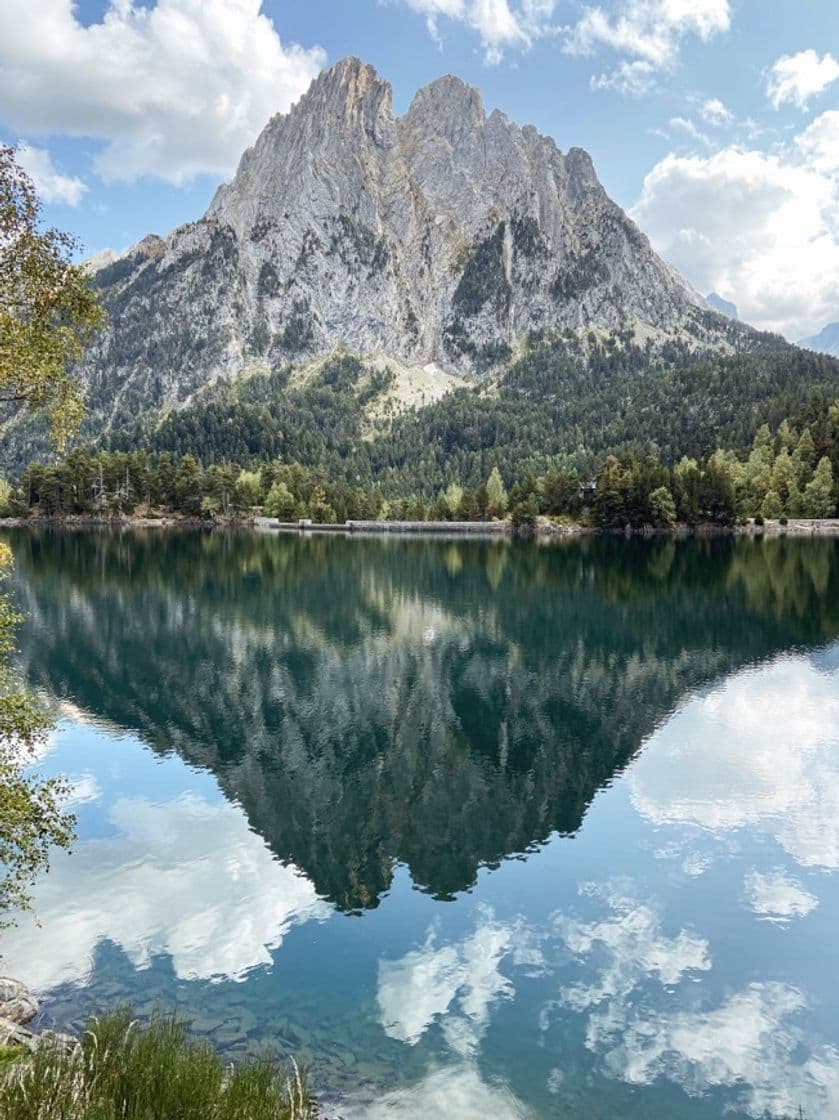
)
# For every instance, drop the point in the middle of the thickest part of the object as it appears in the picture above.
(472, 828)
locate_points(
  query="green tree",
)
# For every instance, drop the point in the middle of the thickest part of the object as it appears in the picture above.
(280, 502)
(784, 481)
(248, 486)
(803, 457)
(188, 486)
(451, 500)
(687, 481)
(47, 315)
(48, 311)
(772, 508)
(561, 492)
(662, 506)
(31, 816)
(496, 494)
(818, 499)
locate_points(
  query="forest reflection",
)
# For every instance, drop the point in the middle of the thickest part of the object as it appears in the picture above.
(443, 704)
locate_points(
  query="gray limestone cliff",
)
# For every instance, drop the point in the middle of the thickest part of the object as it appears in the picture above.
(443, 236)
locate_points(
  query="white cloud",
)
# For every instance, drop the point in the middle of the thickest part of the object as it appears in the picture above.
(183, 878)
(685, 125)
(83, 790)
(499, 24)
(421, 987)
(696, 864)
(749, 1043)
(758, 751)
(714, 112)
(819, 142)
(776, 896)
(798, 77)
(173, 90)
(648, 33)
(631, 79)
(762, 226)
(635, 948)
(50, 183)
(457, 1091)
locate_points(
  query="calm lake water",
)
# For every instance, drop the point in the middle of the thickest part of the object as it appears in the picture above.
(473, 829)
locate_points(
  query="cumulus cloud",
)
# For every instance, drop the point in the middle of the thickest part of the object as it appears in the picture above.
(796, 78)
(648, 34)
(184, 878)
(454, 984)
(761, 225)
(777, 896)
(750, 1043)
(173, 89)
(819, 142)
(715, 112)
(499, 24)
(634, 947)
(50, 183)
(453, 1091)
(758, 751)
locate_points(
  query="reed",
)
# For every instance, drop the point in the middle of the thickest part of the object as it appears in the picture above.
(121, 1070)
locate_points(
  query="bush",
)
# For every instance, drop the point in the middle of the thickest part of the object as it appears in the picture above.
(758, 519)
(122, 1070)
(523, 516)
(783, 520)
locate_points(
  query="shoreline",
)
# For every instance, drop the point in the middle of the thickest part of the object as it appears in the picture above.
(544, 528)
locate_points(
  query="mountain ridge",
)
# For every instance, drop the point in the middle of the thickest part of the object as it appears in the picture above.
(825, 342)
(443, 243)
(444, 235)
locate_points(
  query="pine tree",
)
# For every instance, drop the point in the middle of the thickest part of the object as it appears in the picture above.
(818, 499)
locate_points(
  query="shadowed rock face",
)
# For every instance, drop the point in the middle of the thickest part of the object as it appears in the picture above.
(374, 702)
(442, 236)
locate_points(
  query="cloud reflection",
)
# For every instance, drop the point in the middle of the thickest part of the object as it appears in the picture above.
(759, 750)
(777, 897)
(455, 1091)
(455, 984)
(184, 878)
(753, 1043)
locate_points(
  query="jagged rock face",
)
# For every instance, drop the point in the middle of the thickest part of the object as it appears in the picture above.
(442, 236)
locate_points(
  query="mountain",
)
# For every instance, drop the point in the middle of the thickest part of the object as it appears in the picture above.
(724, 306)
(825, 342)
(440, 238)
(481, 276)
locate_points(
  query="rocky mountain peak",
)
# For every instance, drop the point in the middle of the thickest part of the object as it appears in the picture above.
(448, 106)
(442, 237)
(349, 97)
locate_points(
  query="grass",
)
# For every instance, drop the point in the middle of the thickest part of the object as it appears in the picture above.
(9, 1054)
(124, 1071)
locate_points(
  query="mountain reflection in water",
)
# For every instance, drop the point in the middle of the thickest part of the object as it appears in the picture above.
(271, 731)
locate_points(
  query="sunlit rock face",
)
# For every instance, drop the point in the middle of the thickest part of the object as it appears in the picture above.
(443, 236)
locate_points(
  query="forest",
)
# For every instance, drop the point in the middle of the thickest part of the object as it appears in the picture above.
(790, 471)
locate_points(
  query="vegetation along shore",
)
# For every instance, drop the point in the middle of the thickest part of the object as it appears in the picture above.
(785, 480)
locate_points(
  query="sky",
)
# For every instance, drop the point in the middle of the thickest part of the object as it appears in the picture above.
(714, 123)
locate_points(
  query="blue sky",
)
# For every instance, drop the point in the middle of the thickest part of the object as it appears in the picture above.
(714, 122)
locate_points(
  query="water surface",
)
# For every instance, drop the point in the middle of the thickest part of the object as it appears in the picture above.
(473, 828)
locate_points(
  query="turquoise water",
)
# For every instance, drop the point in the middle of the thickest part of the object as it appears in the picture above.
(474, 829)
